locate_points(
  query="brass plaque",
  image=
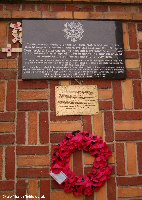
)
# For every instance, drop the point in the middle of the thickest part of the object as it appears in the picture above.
(76, 100)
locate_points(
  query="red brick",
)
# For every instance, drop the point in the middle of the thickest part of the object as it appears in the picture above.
(7, 127)
(30, 106)
(105, 94)
(105, 84)
(2, 95)
(53, 117)
(133, 74)
(117, 15)
(3, 30)
(57, 15)
(13, 55)
(132, 181)
(117, 92)
(45, 189)
(88, 159)
(11, 96)
(87, 170)
(105, 105)
(137, 94)
(141, 61)
(87, 126)
(99, 124)
(120, 159)
(32, 150)
(21, 128)
(32, 128)
(123, 8)
(8, 74)
(32, 173)
(125, 30)
(101, 8)
(128, 136)
(131, 158)
(111, 189)
(1, 161)
(131, 54)
(111, 147)
(10, 163)
(85, 8)
(132, 36)
(8, 64)
(32, 84)
(26, 14)
(132, 64)
(43, 128)
(136, 16)
(125, 36)
(77, 163)
(71, 7)
(43, 7)
(128, 115)
(139, 151)
(119, 8)
(6, 185)
(52, 94)
(7, 139)
(19, 66)
(7, 117)
(140, 8)
(128, 125)
(1, 6)
(21, 186)
(89, 197)
(128, 99)
(108, 126)
(52, 147)
(55, 185)
(33, 160)
(33, 187)
(113, 169)
(3, 55)
(12, 7)
(65, 126)
(57, 8)
(56, 137)
(30, 95)
(29, 7)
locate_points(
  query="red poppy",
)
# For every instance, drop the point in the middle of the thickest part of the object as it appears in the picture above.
(100, 172)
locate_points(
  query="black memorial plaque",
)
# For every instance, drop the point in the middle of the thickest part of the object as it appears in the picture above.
(68, 49)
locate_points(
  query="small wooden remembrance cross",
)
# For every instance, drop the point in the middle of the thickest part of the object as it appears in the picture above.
(10, 50)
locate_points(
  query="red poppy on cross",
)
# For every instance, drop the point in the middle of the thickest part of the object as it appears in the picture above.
(9, 50)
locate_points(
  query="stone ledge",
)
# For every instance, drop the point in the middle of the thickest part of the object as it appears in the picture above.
(71, 15)
(75, 1)
(108, 16)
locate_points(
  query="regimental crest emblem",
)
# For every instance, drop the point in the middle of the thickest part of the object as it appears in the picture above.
(73, 31)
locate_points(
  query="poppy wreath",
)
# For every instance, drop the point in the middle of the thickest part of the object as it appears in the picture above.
(101, 171)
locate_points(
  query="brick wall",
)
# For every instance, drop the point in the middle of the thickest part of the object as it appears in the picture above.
(28, 124)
